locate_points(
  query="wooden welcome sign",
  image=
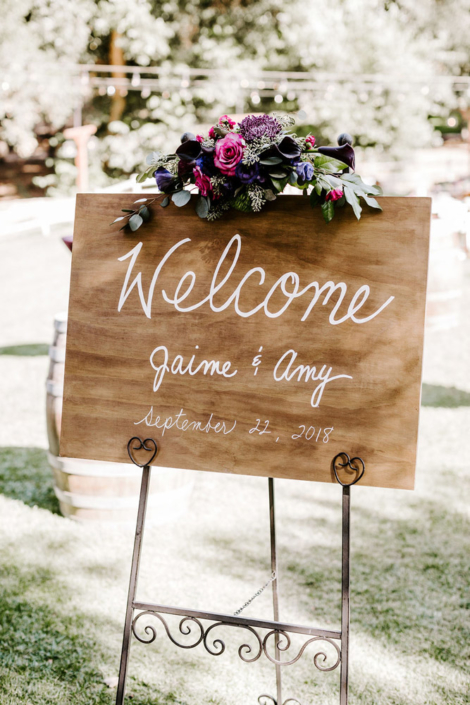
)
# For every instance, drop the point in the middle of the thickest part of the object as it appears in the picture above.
(262, 344)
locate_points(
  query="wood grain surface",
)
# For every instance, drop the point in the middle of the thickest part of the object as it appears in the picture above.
(278, 418)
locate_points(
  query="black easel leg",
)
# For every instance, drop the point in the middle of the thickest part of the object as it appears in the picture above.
(345, 596)
(272, 520)
(139, 532)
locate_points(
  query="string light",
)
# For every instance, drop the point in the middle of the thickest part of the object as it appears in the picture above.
(255, 99)
(110, 90)
(278, 98)
(135, 81)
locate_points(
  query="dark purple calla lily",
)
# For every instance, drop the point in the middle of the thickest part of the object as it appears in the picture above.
(345, 154)
(288, 148)
(189, 150)
(165, 180)
(185, 168)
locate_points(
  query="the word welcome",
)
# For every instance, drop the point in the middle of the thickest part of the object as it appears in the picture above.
(288, 284)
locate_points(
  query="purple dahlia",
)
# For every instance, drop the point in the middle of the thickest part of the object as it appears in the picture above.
(254, 127)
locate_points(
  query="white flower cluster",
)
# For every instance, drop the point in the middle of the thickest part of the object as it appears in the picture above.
(257, 197)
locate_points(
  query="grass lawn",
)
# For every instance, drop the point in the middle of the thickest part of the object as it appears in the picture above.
(63, 585)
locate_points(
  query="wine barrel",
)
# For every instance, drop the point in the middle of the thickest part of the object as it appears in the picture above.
(90, 490)
(445, 281)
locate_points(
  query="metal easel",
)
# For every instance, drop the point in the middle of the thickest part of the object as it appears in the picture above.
(266, 633)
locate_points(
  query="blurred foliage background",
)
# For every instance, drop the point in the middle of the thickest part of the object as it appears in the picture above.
(386, 71)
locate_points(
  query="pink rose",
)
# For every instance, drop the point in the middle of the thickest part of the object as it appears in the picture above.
(212, 134)
(334, 195)
(229, 152)
(310, 141)
(199, 138)
(225, 118)
(203, 182)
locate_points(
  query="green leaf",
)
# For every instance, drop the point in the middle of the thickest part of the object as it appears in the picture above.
(333, 181)
(293, 178)
(318, 188)
(268, 161)
(127, 210)
(278, 184)
(353, 200)
(314, 198)
(371, 201)
(323, 182)
(321, 161)
(278, 174)
(144, 213)
(135, 221)
(328, 210)
(356, 181)
(202, 206)
(142, 177)
(181, 198)
(165, 202)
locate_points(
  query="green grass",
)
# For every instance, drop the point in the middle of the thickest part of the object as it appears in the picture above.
(62, 591)
(445, 397)
(25, 350)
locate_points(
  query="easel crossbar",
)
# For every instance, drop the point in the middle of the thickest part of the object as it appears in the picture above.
(238, 621)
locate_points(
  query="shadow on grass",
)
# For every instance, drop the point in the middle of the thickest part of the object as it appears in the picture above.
(409, 580)
(439, 396)
(46, 655)
(26, 350)
(26, 475)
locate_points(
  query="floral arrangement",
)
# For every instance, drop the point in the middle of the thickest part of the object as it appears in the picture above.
(244, 165)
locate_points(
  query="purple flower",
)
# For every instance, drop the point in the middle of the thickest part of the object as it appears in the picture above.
(288, 148)
(165, 180)
(254, 127)
(345, 154)
(247, 173)
(304, 171)
(189, 150)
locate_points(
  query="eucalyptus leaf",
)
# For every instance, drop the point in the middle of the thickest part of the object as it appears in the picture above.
(269, 161)
(142, 177)
(202, 207)
(135, 221)
(144, 213)
(318, 188)
(121, 217)
(181, 198)
(293, 178)
(165, 202)
(328, 210)
(353, 200)
(141, 200)
(269, 195)
(127, 210)
(278, 174)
